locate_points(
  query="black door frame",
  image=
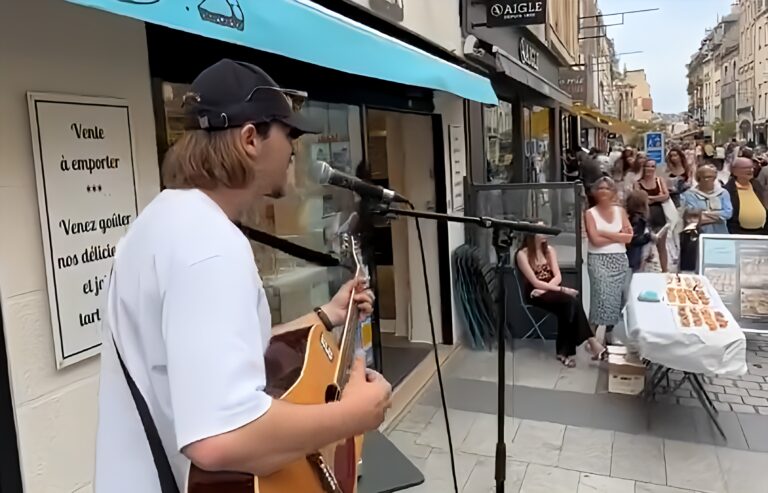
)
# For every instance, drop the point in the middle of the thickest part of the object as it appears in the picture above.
(10, 470)
(441, 196)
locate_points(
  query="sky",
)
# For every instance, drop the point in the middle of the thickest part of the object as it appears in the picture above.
(667, 37)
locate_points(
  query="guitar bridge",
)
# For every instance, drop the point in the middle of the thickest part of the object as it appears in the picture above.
(327, 478)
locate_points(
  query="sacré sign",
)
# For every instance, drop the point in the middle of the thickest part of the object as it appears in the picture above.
(516, 12)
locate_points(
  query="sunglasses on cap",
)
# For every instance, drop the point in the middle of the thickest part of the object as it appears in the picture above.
(295, 98)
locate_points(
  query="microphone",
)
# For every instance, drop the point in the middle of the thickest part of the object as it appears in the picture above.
(322, 173)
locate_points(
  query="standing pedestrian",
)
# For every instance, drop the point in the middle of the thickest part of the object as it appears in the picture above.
(609, 232)
(657, 195)
(748, 200)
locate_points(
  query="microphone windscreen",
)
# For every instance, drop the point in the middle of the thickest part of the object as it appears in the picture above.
(320, 172)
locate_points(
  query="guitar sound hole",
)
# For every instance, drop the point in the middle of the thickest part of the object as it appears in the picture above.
(332, 394)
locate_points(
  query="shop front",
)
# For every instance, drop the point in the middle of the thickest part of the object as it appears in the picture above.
(382, 120)
(520, 140)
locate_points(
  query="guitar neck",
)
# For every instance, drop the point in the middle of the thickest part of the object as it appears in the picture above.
(348, 346)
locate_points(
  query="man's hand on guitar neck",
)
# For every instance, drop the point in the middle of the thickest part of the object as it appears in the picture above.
(336, 309)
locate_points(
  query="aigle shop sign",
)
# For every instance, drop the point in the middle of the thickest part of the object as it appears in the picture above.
(516, 12)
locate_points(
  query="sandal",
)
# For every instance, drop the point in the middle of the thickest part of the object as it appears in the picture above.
(566, 361)
(601, 355)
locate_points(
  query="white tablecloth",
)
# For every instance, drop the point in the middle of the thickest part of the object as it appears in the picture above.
(654, 334)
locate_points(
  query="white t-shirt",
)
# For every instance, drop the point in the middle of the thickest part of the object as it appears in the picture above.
(608, 227)
(188, 311)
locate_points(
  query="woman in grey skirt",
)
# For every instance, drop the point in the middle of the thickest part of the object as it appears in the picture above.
(609, 232)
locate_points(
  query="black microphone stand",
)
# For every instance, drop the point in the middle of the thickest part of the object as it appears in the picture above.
(503, 239)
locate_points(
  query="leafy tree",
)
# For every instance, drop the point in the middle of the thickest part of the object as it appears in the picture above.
(723, 131)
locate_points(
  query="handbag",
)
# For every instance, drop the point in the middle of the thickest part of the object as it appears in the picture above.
(670, 212)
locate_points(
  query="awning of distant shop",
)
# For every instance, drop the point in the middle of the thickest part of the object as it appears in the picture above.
(688, 134)
(303, 30)
(595, 119)
(515, 69)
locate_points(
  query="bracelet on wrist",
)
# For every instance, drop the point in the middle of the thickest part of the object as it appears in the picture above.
(323, 317)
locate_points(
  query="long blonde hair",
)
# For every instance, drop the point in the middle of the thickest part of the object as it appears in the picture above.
(209, 159)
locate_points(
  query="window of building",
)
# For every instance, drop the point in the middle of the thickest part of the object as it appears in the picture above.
(309, 214)
(537, 141)
(499, 143)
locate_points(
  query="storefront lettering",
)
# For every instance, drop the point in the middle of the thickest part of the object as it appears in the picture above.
(516, 12)
(87, 132)
(519, 8)
(104, 224)
(529, 55)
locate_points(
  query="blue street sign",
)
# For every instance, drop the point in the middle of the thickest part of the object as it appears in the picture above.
(655, 155)
(654, 140)
(654, 146)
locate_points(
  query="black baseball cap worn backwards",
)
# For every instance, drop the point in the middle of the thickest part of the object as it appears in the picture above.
(230, 94)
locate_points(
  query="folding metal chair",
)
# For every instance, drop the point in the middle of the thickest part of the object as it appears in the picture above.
(527, 307)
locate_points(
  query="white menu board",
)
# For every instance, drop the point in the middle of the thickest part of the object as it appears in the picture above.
(86, 192)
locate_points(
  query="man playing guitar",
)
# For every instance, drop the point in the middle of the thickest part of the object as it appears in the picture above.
(187, 313)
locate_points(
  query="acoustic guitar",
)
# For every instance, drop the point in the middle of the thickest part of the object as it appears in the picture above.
(306, 366)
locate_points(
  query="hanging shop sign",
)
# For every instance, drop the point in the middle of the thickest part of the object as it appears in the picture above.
(86, 191)
(574, 83)
(516, 12)
(529, 55)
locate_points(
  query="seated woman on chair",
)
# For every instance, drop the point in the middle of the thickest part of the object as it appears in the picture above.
(537, 261)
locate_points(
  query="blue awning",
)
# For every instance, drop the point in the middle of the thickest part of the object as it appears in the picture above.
(303, 30)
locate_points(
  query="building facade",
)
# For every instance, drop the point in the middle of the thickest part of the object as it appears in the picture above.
(404, 131)
(713, 76)
(745, 75)
(625, 102)
(761, 73)
(641, 95)
(520, 139)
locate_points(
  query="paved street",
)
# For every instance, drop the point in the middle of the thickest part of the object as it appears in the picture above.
(548, 457)
(566, 434)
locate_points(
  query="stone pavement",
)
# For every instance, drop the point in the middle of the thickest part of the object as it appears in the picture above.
(566, 434)
(534, 365)
(745, 394)
(548, 457)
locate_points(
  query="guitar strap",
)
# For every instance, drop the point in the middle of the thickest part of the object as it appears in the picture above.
(163, 466)
(159, 456)
(292, 249)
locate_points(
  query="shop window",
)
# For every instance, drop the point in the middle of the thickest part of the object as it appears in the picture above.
(309, 214)
(499, 143)
(537, 145)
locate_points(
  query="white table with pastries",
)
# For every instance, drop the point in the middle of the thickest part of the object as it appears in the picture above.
(688, 329)
(678, 322)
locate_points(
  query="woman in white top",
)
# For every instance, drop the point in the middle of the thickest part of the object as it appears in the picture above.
(609, 232)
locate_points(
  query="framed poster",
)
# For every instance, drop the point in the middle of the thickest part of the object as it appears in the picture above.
(83, 151)
(737, 267)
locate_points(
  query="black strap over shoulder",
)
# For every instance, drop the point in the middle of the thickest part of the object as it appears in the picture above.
(292, 249)
(164, 471)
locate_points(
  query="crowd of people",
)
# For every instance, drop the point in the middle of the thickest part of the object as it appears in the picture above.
(692, 190)
(639, 215)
